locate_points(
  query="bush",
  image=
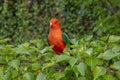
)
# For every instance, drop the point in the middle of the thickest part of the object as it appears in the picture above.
(22, 21)
(89, 59)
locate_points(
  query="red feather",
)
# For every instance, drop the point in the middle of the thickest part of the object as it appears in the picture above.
(55, 36)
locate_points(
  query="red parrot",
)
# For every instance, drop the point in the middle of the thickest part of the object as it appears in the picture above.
(56, 37)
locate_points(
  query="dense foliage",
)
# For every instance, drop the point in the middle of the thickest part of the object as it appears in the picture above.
(92, 25)
(29, 19)
(88, 60)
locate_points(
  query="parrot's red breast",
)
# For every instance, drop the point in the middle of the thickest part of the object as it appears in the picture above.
(55, 36)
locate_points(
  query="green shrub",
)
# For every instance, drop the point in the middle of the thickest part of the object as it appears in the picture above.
(22, 21)
(89, 59)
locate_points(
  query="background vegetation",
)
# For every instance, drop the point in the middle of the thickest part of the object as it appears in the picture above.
(92, 25)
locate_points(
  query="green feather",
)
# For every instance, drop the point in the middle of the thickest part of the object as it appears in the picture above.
(66, 38)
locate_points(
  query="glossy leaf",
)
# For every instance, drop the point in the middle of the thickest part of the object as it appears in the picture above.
(28, 76)
(98, 71)
(62, 58)
(47, 65)
(93, 62)
(81, 67)
(40, 76)
(36, 66)
(109, 77)
(15, 64)
(116, 65)
(72, 61)
(107, 55)
(114, 38)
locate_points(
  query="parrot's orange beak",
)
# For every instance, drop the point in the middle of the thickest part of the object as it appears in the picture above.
(51, 24)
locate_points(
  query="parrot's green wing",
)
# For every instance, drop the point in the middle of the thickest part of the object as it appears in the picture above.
(66, 38)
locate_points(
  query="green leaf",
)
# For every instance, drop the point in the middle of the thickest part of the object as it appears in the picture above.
(108, 77)
(46, 65)
(118, 74)
(15, 64)
(14, 73)
(72, 61)
(116, 65)
(98, 71)
(46, 49)
(6, 50)
(59, 75)
(109, 54)
(7, 76)
(36, 66)
(116, 49)
(89, 51)
(114, 38)
(75, 70)
(89, 37)
(1, 74)
(40, 76)
(92, 62)
(26, 45)
(20, 50)
(62, 58)
(74, 41)
(2, 59)
(4, 40)
(35, 41)
(28, 76)
(39, 44)
(82, 67)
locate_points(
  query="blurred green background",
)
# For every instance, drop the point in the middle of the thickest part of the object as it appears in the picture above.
(24, 20)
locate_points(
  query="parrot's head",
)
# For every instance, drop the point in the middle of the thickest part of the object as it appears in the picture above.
(54, 23)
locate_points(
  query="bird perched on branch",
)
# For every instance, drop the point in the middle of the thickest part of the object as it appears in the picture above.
(56, 37)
